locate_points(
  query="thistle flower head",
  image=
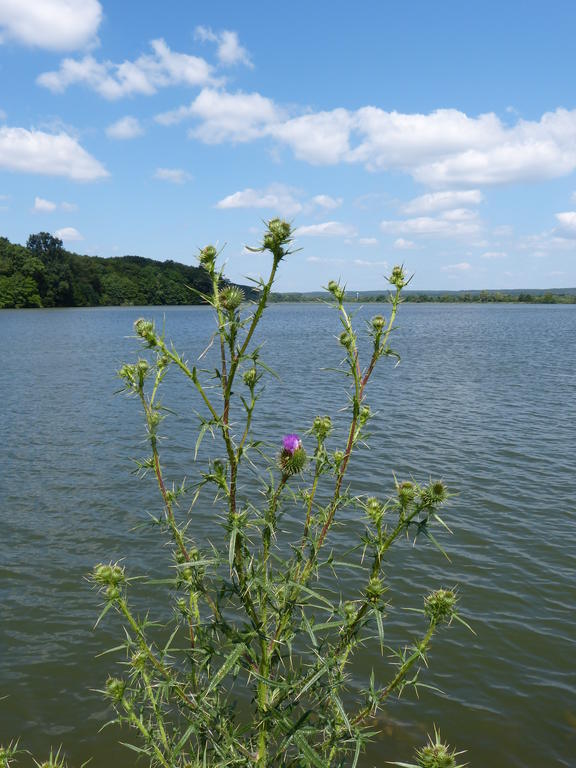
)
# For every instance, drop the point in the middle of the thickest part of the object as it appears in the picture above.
(440, 606)
(278, 235)
(436, 754)
(321, 427)
(398, 277)
(145, 329)
(250, 377)
(108, 575)
(291, 443)
(207, 257)
(231, 297)
(115, 688)
(292, 456)
(378, 322)
(336, 290)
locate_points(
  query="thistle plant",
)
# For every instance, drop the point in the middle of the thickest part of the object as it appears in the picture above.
(252, 667)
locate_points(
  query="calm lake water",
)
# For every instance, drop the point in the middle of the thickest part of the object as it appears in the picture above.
(485, 397)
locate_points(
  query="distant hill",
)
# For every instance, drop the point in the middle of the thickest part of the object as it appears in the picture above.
(521, 295)
(44, 274)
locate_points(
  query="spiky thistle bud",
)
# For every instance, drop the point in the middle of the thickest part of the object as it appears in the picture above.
(378, 323)
(207, 257)
(250, 377)
(436, 754)
(321, 427)
(145, 329)
(115, 688)
(440, 605)
(231, 297)
(398, 277)
(336, 290)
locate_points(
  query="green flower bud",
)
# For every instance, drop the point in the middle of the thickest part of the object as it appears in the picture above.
(346, 339)
(115, 688)
(398, 277)
(364, 415)
(231, 297)
(138, 661)
(375, 589)
(375, 510)
(439, 606)
(406, 493)
(321, 427)
(278, 235)
(207, 257)
(250, 377)
(436, 754)
(378, 323)
(145, 329)
(108, 575)
(336, 290)
(338, 456)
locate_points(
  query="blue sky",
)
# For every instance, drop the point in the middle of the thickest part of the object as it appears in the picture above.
(441, 135)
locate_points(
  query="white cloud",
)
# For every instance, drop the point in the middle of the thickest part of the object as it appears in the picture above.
(276, 197)
(441, 201)
(235, 117)
(365, 263)
(494, 255)
(431, 227)
(47, 206)
(327, 202)
(44, 206)
(367, 242)
(462, 266)
(145, 75)
(126, 128)
(404, 245)
(48, 154)
(319, 139)
(68, 234)
(445, 148)
(567, 222)
(327, 229)
(229, 51)
(59, 25)
(173, 175)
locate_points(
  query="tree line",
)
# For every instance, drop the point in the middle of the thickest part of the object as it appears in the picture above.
(44, 274)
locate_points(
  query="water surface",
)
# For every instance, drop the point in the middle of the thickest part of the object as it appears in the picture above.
(484, 397)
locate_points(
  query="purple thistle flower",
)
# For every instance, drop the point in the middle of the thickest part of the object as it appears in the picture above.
(291, 443)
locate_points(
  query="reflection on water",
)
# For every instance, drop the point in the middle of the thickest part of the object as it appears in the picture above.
(484, 397)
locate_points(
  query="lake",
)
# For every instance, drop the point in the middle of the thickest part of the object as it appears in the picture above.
(485, 397)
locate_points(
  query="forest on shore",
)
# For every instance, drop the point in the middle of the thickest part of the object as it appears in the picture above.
(44, 274)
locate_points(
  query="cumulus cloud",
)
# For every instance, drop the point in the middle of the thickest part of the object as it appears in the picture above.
(229, 50)
(567, 224)
(401, 244)
(429, 226)
(462, 266)
(367, 242)
(58, 25)
(173, 175)
(234, 117)
(327, 202)
(276, 197)
(31, 151)
(44, 206)
(319, 139)
(441, 201)
(326, 229)
(144, 76)
(443, 149)
(126, 128)
(68, 234)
